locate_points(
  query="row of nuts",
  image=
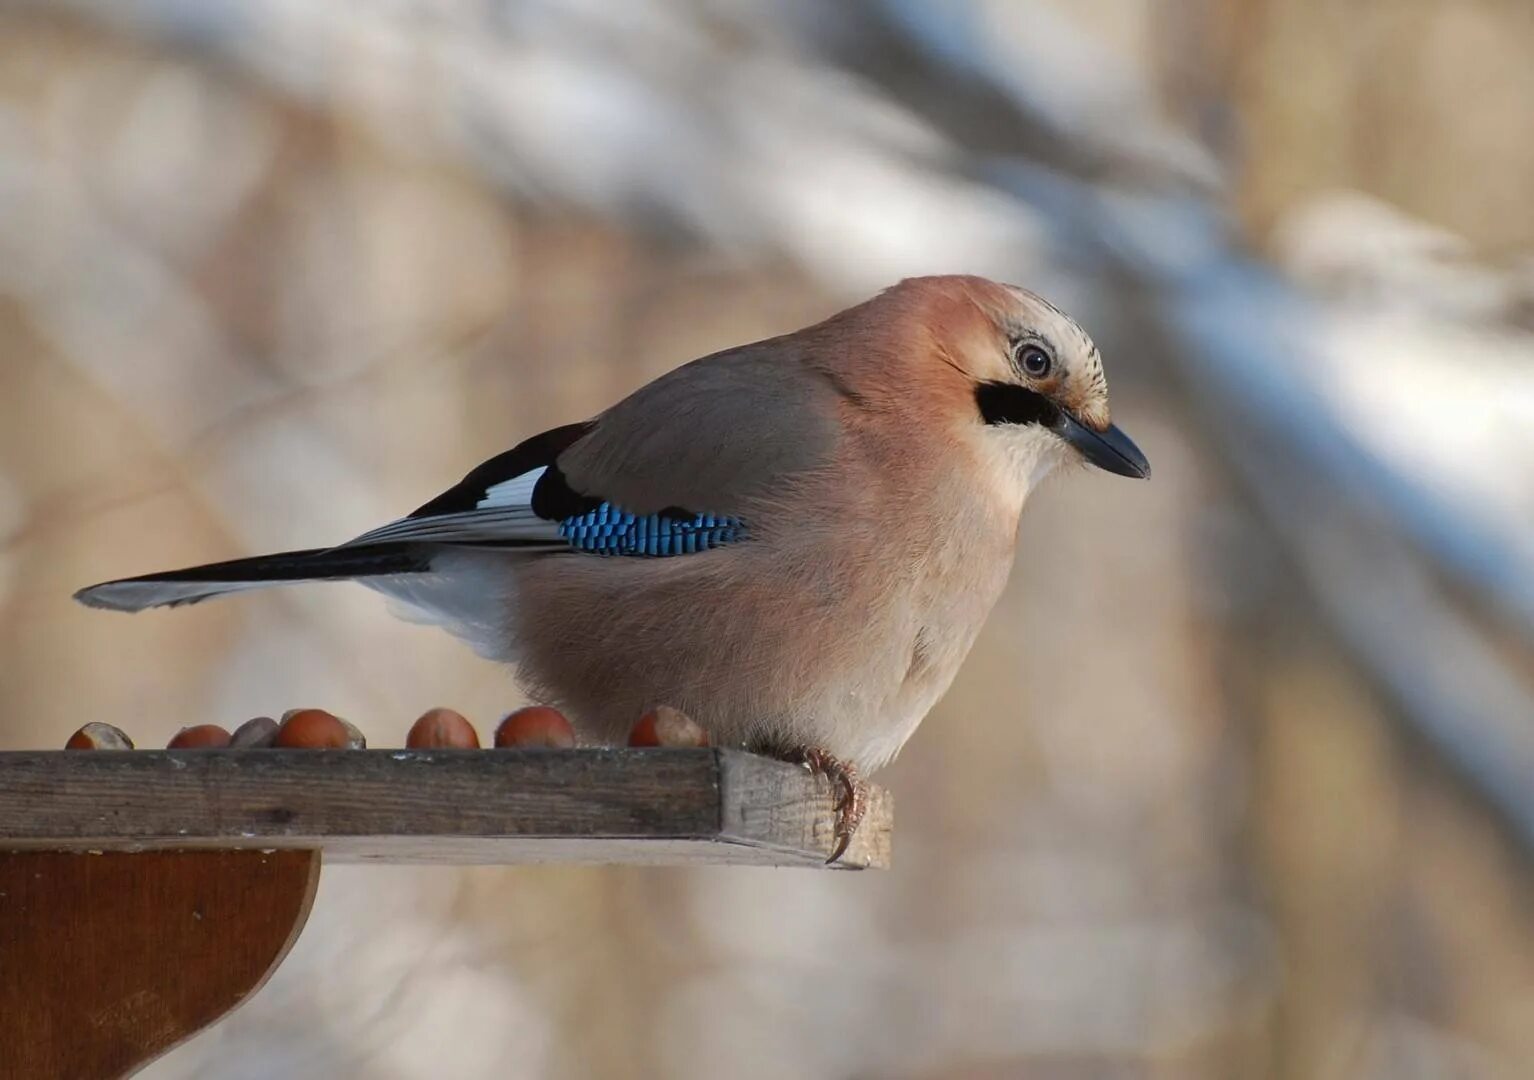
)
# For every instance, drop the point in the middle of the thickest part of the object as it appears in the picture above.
(440, 729)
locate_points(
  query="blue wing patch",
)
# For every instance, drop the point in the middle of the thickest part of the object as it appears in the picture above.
(608, 530)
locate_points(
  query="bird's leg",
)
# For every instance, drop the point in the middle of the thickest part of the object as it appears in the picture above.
(851, 803)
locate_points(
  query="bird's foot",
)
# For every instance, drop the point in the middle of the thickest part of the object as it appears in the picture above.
(851, 803)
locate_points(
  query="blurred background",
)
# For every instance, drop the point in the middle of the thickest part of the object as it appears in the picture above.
(1239, 782)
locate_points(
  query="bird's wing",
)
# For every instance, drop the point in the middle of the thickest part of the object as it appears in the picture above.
(713, 435)
(667, 471)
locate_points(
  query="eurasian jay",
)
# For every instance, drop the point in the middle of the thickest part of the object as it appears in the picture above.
(795, 542)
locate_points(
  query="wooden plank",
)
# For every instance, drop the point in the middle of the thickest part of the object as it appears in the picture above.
(107, 961)
(442, 806)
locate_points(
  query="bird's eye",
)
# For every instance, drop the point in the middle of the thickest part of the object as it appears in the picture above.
(1034, 361)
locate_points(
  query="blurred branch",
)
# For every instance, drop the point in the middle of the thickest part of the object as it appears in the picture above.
(1044, 93)
(1441, 676)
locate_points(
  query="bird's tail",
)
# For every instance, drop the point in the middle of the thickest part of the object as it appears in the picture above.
(196, 583)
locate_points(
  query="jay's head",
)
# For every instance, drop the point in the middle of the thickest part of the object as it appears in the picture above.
(1033, 376)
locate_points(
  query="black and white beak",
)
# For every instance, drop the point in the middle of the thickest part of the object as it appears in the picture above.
(1111, 450)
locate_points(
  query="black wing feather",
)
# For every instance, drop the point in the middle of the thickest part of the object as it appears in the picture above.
(540, 450)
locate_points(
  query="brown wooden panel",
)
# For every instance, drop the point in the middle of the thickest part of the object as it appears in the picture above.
(109, 960)
(446, 806)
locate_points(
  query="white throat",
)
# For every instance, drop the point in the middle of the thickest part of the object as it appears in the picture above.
(1023, 455)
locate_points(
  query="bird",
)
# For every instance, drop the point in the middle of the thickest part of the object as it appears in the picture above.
(794, 541)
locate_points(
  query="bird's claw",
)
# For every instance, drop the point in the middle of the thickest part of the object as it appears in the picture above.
(851, 802)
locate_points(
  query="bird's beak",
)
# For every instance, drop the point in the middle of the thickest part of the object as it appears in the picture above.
(1111, 450)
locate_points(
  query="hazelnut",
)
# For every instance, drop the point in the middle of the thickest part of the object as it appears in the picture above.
(536, 725)
(665, 726)
(199, 737)
(312, 729)
(442, 728)
(99, 736)
(257, 733)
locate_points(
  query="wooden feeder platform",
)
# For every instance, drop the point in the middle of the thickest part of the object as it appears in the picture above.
(145, 893)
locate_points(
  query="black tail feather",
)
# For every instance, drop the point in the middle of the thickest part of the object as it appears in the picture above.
(175, 587)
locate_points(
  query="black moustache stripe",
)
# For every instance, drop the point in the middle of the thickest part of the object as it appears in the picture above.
(1008, 403)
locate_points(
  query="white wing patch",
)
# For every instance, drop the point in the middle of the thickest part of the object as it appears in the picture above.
(518, 491)
(504, 513)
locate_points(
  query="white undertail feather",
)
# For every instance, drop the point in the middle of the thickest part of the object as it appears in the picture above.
(467, 593)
